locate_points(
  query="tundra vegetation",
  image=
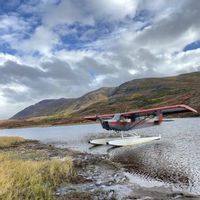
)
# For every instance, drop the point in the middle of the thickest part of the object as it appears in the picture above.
(10, 141)
(23, 177)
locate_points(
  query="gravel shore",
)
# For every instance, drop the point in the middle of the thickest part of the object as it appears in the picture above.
(94, 176)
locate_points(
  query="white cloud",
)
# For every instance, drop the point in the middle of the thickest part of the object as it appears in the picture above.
(124, 52)
(4, 57)
(12, 28)
(74, 56)
(88, 12)
(67, 12)
(14, 22)
(7, 108)
(112, 9)
(43, 41)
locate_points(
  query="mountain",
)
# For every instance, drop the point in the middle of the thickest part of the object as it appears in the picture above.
(135, 94)
(63, 107)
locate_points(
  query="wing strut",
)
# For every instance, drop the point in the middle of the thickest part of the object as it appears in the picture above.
(140, 122)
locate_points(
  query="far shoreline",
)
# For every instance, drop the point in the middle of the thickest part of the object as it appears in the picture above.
(17, 124)
(7, 125)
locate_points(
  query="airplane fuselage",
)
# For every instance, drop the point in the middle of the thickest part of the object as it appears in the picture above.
(122, 124)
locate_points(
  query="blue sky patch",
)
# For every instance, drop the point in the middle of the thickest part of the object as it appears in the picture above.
(5, 48)
(192, 46)
(81, 35)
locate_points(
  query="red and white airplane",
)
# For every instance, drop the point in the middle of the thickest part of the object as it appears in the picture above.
(134, 120)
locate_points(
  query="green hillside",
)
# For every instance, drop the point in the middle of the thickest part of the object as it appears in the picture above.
(135, 94)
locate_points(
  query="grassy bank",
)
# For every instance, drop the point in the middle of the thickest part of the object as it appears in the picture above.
(10, 141)
(30, 179)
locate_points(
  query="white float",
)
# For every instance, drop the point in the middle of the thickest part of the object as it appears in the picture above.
(104, 141)
(128, 141)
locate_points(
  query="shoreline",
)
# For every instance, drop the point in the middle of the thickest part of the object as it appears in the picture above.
(10, 124)
(93, 177)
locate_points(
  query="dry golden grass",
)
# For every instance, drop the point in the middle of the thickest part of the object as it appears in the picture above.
(7, 141)
(27, 179)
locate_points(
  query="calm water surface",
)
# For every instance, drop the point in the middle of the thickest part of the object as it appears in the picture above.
(174, 160)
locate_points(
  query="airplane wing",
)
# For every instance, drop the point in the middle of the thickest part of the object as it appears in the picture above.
(165, 110)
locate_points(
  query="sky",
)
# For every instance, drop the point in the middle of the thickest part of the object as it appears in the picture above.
(65, 48)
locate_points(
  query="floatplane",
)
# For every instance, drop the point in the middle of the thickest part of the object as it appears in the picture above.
(121, 122)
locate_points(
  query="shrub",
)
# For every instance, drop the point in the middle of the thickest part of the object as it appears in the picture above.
(28, 179)
(7, 141)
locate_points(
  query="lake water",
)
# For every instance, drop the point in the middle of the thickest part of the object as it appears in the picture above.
(174, 160)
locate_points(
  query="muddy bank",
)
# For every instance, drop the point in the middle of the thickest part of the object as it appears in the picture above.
(94, 176)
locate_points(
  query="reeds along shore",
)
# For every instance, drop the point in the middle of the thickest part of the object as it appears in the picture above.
(24, 178)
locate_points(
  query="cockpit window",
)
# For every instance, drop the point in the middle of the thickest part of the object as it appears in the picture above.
(117, 117)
